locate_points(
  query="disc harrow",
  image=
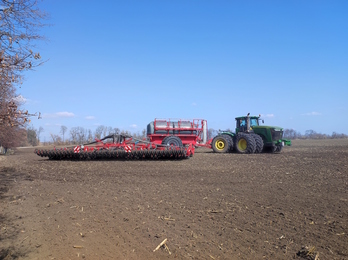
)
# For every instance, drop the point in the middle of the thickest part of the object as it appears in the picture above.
(118, 147)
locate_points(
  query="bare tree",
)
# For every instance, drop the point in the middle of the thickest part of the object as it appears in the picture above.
(12, 136)
(81, 135)
(337, 135)
(73, 134)
(32, 136)
(126, 132)
(310, 133)
(56, 139)
(20, 22)
(63, 129)
(110, 130)
(99, 131)
(139, 135)
(90, 136)
(10, 115)
(105, 131)
(291, 134)
(38, 133)
(116, 130)
(11, 119)
(212, 133)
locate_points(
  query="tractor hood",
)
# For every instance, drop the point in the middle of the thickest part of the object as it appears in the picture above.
(270, 134)
(276, 128)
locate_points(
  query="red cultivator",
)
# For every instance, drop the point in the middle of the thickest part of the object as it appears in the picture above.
(119, 147)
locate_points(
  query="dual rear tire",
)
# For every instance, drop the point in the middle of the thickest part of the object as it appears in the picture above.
(245, 143)
(242, 143)
(258, 143)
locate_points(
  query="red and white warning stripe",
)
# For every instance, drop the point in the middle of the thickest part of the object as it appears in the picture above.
(76, 149)
(128, 148)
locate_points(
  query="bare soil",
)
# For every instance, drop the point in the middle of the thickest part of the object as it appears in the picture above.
(292, 205)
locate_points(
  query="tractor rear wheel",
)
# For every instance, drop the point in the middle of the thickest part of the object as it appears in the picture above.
(220, 144)
(245, 143)
(258, 143)
(172, 141)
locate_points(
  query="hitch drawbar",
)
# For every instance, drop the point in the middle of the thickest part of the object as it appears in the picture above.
(119, 147)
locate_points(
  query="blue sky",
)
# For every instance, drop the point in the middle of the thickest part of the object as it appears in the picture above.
(124, 63)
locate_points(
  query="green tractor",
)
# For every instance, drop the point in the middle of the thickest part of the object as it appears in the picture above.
(250, 137)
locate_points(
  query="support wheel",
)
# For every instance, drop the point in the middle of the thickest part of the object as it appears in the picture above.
(258, 143)
(245, 143)
(220, 144)
(172, 141)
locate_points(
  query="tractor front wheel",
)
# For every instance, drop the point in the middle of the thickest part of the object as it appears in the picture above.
(245, 143)
(278, 148)
(220, 144)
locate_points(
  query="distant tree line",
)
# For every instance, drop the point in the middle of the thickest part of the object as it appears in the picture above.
(78, 135)
(311, 134)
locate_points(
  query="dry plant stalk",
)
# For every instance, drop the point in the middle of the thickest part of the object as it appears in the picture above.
(161, 244)
(167, 249)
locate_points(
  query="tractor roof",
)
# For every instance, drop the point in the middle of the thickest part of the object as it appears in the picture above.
(241, 117)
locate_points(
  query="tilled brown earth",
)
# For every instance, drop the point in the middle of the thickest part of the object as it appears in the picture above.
(292, 205)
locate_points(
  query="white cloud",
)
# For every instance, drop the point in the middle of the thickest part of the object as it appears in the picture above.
(133, 126)
(48, 124)
(194, 104)
(312, 114)
(65, 114)
(267, 115)
(90, 117)
(59, 114)
(20, 99)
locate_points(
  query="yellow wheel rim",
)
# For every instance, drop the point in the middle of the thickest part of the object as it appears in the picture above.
(220, 145)
(242, 144)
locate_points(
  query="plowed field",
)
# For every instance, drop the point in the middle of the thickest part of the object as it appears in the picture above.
(292, 205)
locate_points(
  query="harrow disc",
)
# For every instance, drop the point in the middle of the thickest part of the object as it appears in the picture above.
(113, 154)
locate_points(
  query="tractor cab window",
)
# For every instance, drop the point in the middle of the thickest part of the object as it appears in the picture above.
(254, 122)
(242, 122)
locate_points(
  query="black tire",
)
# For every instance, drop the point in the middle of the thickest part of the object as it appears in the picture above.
(164, 140)
(269, 149)
(273, 149)
(220, 144)
(278, 148)
(172, 141)
(258, 143)
(245, 143)
(230, 142)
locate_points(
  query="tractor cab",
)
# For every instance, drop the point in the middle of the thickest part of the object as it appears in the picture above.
(246, 123)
